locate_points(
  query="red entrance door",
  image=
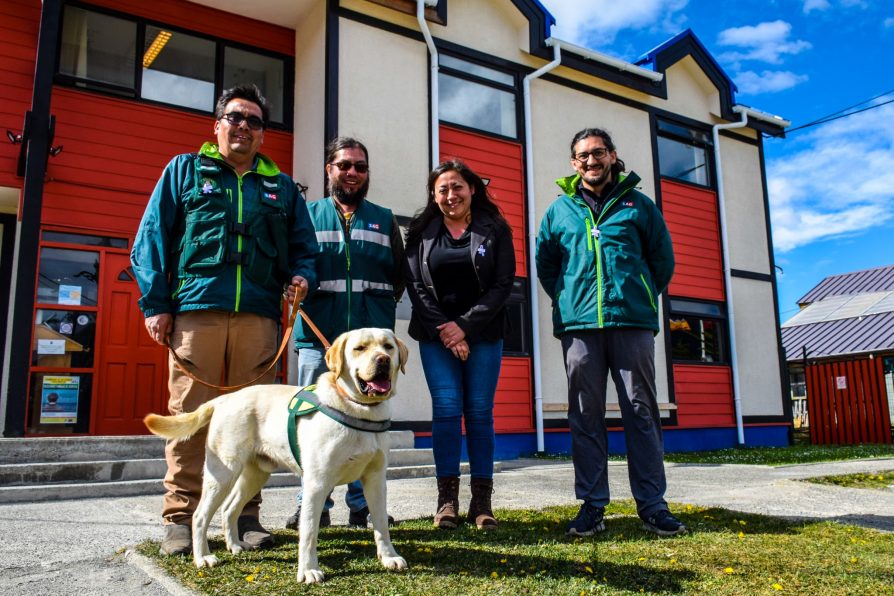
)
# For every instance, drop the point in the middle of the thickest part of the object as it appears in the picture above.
(131, 375)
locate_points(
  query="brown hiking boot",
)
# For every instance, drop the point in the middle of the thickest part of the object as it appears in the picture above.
(177, 540)
(447, 517)
(253, 533)
(480, 508)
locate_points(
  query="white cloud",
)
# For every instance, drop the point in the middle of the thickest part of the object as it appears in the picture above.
(765, 42)
(816, 5)
(769, 81)
(595, 23)
(837, 182)
(810, 5)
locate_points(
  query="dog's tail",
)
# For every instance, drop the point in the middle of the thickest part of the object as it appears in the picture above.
(181, 426)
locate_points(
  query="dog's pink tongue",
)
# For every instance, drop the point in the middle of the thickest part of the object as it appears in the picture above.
(383, 386)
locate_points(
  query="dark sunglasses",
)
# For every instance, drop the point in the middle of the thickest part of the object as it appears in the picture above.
(361, 167)
(236, 119)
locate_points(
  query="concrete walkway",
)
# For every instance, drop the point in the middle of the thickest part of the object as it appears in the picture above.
(69, 547)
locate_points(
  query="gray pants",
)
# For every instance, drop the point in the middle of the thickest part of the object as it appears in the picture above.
(629, 355)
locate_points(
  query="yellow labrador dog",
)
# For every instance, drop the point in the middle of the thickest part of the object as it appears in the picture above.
(248, 440)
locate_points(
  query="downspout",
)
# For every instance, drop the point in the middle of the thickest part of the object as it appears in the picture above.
(532, 240)
(433, 66)
(727, 274)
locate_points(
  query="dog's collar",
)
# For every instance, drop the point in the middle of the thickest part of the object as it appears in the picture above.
(306, 402)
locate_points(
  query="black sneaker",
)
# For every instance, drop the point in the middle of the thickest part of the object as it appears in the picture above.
(361, 518)
(664, 523)
(589, 520)
(295, 519)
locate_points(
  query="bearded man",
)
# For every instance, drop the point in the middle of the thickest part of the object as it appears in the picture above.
(360, 278)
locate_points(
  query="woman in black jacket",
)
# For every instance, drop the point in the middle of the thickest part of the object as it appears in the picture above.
(460, 267)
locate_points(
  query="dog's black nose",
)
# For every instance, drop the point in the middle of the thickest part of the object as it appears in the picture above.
(383, 360)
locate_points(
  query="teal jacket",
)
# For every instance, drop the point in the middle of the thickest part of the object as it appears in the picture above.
(359, 277)
(253, 233)
(606, 272)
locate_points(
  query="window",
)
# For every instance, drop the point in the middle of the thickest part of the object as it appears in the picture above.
(125, 56)
(683, 154)
(477, 96)
(178, 69)
(697, 332)
(68, 277)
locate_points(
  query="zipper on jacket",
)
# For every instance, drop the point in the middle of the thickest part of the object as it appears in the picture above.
(648, 291)
(600, 291)
(239, 247)
(349, 286)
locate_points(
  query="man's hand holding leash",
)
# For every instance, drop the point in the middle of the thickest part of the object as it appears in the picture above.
(299, 285)
(160, 326)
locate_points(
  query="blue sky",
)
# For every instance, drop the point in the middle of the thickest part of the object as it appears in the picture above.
(831, 186)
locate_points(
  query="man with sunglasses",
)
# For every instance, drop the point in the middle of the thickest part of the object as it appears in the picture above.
(603, 256)
(360, 279)
(224, 231)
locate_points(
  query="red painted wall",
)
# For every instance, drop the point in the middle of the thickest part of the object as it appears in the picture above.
(691, 215)
(115, 150)
(704, 395)
(512, 403)
(501, 162)
(19, 24)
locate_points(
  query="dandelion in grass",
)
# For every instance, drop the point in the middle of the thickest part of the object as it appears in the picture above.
(729, 571)
(250, 578)
(853, 559)
(588, 569)
(777, 587)
(741, 535)
(494, 575)
(503, 561)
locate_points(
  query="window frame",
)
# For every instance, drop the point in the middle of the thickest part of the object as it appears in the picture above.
(680, 310)
(513, 89)
(135, 94)
(673, 131)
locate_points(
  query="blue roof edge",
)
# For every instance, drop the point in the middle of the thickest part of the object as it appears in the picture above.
(652, 55)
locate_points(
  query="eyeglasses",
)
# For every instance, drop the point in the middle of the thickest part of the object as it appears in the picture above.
(236, 119)
(597, 153)
(361, 167)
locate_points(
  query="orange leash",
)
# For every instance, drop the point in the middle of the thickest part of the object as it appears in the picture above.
(296, 308)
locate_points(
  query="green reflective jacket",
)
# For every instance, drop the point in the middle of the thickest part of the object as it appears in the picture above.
(212, 240)
(605, 272)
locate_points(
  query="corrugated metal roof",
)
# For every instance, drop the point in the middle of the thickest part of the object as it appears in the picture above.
(860, 335)
(843, 307)
(880, 279)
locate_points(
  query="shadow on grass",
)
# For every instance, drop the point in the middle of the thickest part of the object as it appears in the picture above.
(478, 555)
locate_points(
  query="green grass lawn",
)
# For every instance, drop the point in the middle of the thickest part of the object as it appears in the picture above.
(781, 456)
(883, 480)
(726, 553)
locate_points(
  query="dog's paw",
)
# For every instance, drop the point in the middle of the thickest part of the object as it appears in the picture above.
(206, 561)
(238, 547)
(394, 563)
(310, 576)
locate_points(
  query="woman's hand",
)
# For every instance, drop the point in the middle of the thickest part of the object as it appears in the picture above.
(451, 334)
(461, 350)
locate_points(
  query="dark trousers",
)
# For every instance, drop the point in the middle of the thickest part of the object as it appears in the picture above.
(629, 356)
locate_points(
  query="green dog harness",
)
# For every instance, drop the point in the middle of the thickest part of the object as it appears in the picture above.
(305, 402)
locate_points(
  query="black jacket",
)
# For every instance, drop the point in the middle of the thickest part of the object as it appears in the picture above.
(494, 259)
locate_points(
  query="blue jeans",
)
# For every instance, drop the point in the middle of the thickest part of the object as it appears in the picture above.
(462, 389)
(311, 365)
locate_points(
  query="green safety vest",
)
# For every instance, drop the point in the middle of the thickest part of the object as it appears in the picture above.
(355, 274)
(207, 242)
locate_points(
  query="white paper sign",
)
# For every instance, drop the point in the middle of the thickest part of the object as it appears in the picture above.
(50, 346)
(841, 382)
(70, 295)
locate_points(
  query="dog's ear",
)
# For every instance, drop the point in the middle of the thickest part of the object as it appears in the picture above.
(404, 354)
(335, 354)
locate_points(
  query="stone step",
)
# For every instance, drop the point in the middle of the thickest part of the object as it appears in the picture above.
(124, 488)
(139, 469)
(93, 449)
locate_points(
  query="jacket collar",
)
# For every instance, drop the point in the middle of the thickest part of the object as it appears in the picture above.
(263, 165)
(569, 184)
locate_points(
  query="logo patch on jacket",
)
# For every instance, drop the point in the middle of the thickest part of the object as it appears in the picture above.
(372, 226)
(207, 186)
(627, 203)
(270, 195)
